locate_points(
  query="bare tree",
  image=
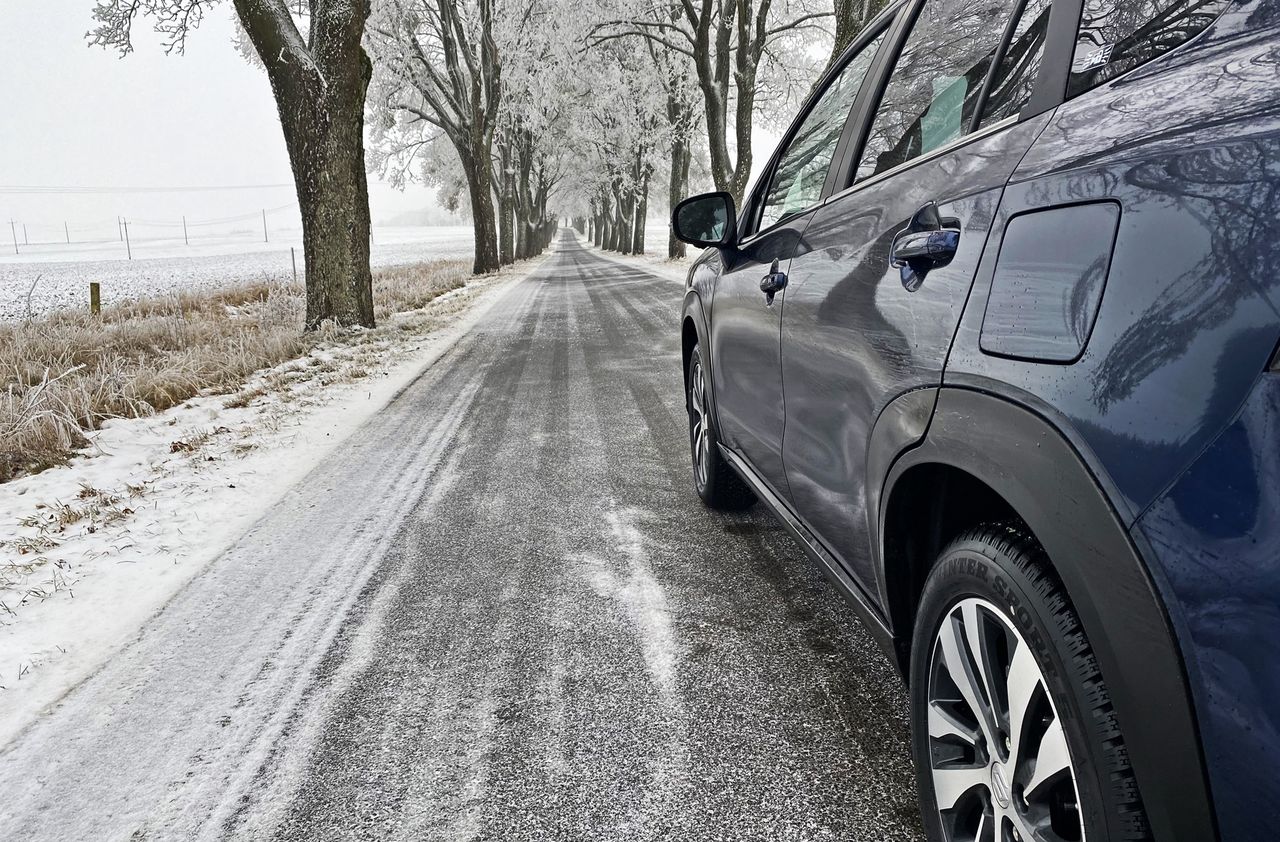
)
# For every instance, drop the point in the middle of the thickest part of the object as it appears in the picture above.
(727, 41)
(439, 66)
(319, 82)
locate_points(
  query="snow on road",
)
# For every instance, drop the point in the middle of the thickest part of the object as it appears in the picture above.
(61, 273)
(183, 485)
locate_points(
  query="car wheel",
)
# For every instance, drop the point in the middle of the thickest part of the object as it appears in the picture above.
(716, 483)
(1012, 726)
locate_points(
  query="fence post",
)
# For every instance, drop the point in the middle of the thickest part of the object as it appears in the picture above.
(13, 226)
(66, 231)
(95, 298)
(293, 255)
(264, 226)
(184, 231)
(128, 248)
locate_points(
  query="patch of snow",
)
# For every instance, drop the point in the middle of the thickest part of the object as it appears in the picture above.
(643, 599)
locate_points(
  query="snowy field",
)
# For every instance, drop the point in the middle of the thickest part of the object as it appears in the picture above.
(163, 266)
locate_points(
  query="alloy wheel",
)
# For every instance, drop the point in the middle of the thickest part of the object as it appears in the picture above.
(698, 439)
(1000, 766)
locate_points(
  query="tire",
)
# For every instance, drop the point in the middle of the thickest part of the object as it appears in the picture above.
(993, 613)
(716, 483)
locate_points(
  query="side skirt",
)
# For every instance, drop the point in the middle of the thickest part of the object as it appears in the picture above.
(848, 588)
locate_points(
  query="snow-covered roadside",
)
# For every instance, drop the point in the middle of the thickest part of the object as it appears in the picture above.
(90, 550)
(658, 263)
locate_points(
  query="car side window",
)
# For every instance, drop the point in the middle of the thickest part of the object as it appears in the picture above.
(802, 169)
(1015, 77)
(935, 86)
(1116, 36)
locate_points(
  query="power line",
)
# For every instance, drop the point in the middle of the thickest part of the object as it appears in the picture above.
(34, 190)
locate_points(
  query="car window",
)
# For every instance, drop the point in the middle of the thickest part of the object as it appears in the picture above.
(1116, 36)
(1016, 76)
(935, 85)
(802, 169)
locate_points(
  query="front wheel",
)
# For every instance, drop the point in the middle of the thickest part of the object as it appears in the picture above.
(716, 483)
(1014, 736)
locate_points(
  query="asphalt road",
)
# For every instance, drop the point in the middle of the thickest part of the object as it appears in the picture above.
(499, 613)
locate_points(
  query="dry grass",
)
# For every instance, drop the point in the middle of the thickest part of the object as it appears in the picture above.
(67, 372)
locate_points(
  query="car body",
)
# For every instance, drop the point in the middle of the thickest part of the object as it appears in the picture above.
(1069, 317)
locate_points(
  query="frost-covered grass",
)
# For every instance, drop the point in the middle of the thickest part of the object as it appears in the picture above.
(67, 372)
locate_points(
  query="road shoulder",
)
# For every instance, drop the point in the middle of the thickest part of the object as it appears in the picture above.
(122, 529)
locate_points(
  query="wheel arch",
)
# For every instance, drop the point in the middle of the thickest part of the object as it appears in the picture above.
(987, 458)
(694, 331)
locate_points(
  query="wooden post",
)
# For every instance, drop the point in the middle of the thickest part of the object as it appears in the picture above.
(13, 226)
(293, 255)
(95, 298)
(184, 231)
(128, 248)
(25, 241)
(264, 226)
(66, 231)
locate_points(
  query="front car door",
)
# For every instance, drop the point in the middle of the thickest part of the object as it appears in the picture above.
(746, 320)
(875, 297)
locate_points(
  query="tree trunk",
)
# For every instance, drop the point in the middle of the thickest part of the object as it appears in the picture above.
(479, 172)
(642, 211)
(506, 206)
(321, 105)
(681, 156)
(852, 16)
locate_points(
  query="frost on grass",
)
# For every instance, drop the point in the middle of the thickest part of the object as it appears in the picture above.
(64, 374)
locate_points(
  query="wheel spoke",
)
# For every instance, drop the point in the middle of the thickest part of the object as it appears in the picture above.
(952, 784)
(942, 725)
(975, 632)
(1021, 685)
(957, 662)
(1052, 758)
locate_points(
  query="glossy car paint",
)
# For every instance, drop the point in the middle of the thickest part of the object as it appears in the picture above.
(1217, 535)
(855, 336)
(1160, 496)
(1049, 278)
(745, 349)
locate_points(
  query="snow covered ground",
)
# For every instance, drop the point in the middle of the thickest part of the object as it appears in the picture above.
(90, 550)
(163, 266)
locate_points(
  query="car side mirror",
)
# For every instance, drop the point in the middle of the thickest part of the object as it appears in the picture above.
(707, 220)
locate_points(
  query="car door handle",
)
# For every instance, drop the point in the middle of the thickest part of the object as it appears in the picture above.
(928, 241)
(772, 284)
(935, 247)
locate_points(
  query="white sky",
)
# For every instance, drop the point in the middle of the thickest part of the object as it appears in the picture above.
(75, 115)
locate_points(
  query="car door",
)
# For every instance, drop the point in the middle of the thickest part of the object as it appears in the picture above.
(875, 296)
(746, 317)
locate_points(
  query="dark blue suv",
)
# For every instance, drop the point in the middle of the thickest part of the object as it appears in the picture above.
(995, 336)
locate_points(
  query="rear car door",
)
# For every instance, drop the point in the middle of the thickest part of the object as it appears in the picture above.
(746, 319)
(876, 293)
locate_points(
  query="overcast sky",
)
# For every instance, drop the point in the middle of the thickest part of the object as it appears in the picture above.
(71, 115)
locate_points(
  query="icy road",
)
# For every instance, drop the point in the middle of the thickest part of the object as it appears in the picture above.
(498, 613)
